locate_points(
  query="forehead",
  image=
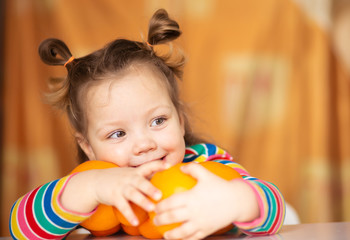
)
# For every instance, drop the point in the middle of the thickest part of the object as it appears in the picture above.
(136, 83)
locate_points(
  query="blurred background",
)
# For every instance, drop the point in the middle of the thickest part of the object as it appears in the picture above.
(269, 81)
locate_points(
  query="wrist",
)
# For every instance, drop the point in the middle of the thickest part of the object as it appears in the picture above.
(246, 199)
(77, 195)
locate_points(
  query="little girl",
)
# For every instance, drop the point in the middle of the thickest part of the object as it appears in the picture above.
(123, 102)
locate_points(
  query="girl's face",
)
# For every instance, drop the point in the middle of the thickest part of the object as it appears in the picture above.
(131, 120)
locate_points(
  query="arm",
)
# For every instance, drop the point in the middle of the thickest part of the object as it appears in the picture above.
(54, 209)
(270, 200)
(39, 213)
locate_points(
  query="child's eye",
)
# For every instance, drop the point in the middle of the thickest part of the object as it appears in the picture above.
(158, 121)
(117, 134)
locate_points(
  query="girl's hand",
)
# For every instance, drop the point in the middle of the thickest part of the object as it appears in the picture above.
(113, 186)
(118, 186)
(209, 206)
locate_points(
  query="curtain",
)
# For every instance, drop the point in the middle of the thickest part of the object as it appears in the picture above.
(266, 80)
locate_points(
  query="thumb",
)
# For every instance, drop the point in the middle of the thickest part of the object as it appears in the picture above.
(195, 170)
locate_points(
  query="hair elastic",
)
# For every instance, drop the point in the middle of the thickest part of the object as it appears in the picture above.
(149, 44)
(68, 61)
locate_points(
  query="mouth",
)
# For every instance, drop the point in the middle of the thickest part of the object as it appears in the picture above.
(156, 159)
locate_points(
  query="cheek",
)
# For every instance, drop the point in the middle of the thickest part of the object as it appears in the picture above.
(115, 155)
(172, 139)
(174, 143)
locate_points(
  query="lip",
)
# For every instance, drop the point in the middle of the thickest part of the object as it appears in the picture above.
(163, 158)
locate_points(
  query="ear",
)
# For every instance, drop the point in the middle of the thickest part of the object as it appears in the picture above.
(85, 146)
(182, 123)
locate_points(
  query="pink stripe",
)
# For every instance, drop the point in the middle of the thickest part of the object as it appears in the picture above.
(22, 223)
(219, 156)
(257, 221)
(63, 208)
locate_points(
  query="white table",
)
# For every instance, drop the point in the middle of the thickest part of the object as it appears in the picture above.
(312, 231)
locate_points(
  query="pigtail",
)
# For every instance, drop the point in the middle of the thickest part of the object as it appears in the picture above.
(50, 50)
(55, 52)
(163, 29)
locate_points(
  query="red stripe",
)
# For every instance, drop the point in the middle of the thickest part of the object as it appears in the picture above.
(190, 151)
(279, 205)
(31, 220)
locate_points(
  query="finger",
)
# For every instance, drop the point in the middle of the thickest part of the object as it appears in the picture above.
(150, 168)
(195, 170)
(175, 201)
(125, 209)
(147, 188)
(172, 216)
(184, 231)
(134, 195)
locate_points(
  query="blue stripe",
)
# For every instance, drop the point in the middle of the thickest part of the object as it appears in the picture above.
(268, 199)
(49, 211)
(224, 161)
(13, 236)
(190, 158)
(211, 149)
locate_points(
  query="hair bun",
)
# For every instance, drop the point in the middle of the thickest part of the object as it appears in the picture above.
(49, 50)
(162, 29)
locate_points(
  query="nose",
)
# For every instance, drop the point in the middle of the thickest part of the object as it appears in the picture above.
(144, 144)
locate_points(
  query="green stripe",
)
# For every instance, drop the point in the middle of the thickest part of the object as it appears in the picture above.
(200, 149)
(272, 213)
(39, 214)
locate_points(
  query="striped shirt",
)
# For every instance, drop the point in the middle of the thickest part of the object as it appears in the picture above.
(39, 214)
(270, 200)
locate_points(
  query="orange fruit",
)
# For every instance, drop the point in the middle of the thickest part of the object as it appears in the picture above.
(173, 180)
(104, 220)
(221, 170)
(141, 214)
(149, 230)
(93, 164)
(131, 230)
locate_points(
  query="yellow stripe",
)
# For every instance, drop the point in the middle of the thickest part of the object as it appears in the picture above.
(201, 158)
(263, 196)
(69, 216)
(235, 165)
(220, 151)
(14, 224)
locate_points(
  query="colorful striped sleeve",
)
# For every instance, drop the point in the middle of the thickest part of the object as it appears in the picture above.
(270, 200)
(39, 214)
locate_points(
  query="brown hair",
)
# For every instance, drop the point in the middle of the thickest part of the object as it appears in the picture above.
(114, 57)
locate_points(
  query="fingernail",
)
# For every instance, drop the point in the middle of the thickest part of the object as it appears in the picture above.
(167, 165)
(155, 221)
(135, 222)
(150, 207)
(157, 195)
